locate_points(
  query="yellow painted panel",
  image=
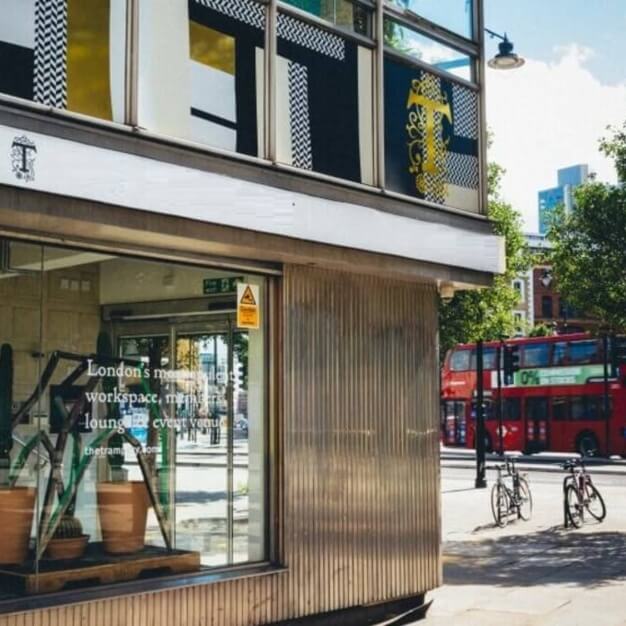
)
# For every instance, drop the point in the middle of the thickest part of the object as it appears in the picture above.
(211, 47)
(88, 58)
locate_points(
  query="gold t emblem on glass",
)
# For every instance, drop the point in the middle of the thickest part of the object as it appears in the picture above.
(428, 106)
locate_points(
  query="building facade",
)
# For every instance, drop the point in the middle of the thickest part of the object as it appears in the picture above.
(562, 195)
(540, 302)
(223, 230)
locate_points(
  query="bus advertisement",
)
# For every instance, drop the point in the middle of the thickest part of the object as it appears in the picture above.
(556, 401)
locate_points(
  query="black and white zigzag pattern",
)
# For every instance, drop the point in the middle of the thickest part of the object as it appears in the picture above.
(50, 76)
(462, 170)
(301, 153)
(247, 11)
(308, 36)
(465, 111)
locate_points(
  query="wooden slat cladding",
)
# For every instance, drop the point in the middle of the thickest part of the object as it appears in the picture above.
(361, 467)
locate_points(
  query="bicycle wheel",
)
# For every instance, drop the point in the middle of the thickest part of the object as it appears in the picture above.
(574, 506)
(500, 505)
(594, 502)
(525, 509)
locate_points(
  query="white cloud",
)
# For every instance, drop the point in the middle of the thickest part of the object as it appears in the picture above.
(545, 116)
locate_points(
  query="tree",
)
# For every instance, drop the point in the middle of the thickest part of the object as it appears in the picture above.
(614, 147)
(541, 330)
(589, 244)
(488, 313)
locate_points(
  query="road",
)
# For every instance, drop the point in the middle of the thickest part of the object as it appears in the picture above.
(529, 573)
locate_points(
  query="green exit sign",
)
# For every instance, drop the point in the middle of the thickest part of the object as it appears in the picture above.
(213, 286)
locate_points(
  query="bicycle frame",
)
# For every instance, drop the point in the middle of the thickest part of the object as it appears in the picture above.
(578, 478)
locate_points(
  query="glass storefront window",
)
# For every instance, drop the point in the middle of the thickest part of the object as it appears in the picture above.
(455, 15)
(60, 55)
(346, 14)
(132, 419)
(324, 101)
(201, 72)
(408, 41)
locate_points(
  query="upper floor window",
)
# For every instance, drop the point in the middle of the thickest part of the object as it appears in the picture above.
(536, 355)
(408, 41)
(518, 285)
(559, 353)
(585, 351)
(60, 55)
(460, 361)
(489, 358)
(346, 14)
(454, 15)
(546, 306)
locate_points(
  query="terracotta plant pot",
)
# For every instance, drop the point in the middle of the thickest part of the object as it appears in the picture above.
(123, 510)
(16, 519)
(67, 549)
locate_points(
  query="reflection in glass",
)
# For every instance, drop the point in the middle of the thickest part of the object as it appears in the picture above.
(202, 407)
(347, 14)
(427, 50)
(455, 15)
(134, 406)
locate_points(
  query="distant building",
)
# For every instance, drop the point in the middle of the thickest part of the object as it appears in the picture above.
(549, 199)
(539, 301)
(524, 311)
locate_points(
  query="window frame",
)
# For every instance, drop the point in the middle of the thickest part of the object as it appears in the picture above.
(525, 347)
(473, 47)
(273, 418)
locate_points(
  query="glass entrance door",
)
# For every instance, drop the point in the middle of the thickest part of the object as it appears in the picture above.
(205, 390)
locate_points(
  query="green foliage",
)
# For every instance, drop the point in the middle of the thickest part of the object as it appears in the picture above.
(6, 408)
(488, 313)
(541, 330)
(589, 253)
(614, 147)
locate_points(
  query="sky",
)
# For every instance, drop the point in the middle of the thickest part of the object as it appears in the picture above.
(551, 112)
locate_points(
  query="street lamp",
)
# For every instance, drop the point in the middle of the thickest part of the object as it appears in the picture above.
(506, 59)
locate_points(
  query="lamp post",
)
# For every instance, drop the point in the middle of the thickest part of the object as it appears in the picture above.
(506, 59)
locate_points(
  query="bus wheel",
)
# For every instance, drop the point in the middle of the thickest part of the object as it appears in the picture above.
(587, 444)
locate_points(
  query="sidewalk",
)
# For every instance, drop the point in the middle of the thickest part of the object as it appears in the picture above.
(530, 573)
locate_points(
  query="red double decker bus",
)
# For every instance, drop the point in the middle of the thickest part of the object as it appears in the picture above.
(556, 400)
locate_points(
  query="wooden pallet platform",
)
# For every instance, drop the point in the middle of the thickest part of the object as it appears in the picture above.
(97, 567)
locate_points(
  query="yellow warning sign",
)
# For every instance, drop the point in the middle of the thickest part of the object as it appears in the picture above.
(248, 315)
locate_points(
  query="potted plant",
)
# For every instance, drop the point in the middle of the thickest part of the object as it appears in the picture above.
(16, 503)
(122, 503)
(69, 541)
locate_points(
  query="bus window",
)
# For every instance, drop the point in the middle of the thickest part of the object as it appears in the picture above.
(489, 411)
(559, 409)
(577, 408)
(584, 351)
(594, 407)
(537, 408)
(511, 410)
(460, 361)
(453, 408)
(535, 355)
(489, 359)
(559, 353)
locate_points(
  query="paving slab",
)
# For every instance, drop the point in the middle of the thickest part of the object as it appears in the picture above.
(529, 573)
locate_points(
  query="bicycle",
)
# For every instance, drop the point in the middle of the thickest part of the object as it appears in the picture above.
(515, 500)
(580, 495)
